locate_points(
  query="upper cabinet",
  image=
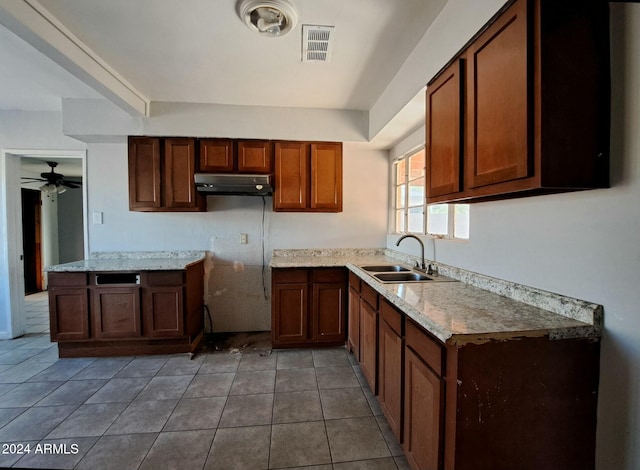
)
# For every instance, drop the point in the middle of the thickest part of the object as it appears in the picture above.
(524, 108)
(216, 155)
(161, 175)
(241, 156)
(254, 156)
(308, 177)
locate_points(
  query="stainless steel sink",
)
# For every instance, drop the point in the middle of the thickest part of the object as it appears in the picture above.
(384, 268)
(402, 277)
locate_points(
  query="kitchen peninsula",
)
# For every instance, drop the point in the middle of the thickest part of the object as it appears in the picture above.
(481, 374)
(126, 303)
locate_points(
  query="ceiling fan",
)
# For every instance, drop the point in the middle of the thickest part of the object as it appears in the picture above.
(54, 182)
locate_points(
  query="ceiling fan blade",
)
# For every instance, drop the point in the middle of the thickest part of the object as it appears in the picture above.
(72, 184)
(31, 180)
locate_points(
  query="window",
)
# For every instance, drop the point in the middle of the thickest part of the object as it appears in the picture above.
(442, 220)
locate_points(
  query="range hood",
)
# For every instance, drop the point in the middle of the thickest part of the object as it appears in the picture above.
(234, 184)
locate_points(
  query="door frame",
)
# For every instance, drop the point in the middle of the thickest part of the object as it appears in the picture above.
(12, 305)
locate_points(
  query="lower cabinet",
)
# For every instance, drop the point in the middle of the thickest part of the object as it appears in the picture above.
(308, 307)
(68, 306)
(353, 324)
(390, 365)
(528, 403)
(105, 314)
(369, 336)
(116, 312)
(423, 401)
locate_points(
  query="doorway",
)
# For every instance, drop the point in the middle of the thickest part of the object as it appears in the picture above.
(31, 238)
(12, 264)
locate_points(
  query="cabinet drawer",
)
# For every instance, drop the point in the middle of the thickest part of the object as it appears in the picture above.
(329, 275)
(369, 295)
(354, 282)
(285, 276)
(164, 278)
(67, 279)
(426, 347)
(391, 316)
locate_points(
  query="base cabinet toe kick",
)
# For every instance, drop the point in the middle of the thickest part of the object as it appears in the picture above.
(127, 313)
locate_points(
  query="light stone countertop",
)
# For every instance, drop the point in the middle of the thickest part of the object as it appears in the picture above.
(132, 261)
(477, 310)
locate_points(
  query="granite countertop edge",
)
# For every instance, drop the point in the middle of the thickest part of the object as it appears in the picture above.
(132, 261)
(583, 319)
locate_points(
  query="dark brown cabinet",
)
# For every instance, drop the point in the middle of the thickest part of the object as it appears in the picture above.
(255, 156)
(68, 306)
(390, 365)
(308, 177)
(524, 108)
(129, 313)
(163, 304)
(116, 312)
(216, 155)
(444, 149)
(308, 307)
(161, 175)
(423, 401)
(369, 336)
(528, 402)
(353, 325)
(240, 156)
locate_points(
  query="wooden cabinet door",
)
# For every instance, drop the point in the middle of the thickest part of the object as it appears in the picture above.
(255, 156)
(329, 312)
(353, 338)
(116, 312)
(289, 314)
(179, 168)
(291, 191)
(444, 132)
(69, 313)
(369, 344)
(163, 311)
(216, 155)
(499, 112)
(390, 362)
(326, 177)
(144, 173)
(423, 414)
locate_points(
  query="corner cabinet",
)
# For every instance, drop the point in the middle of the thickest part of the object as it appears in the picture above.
(308, 177)
(161, 175)
(524, 108)
(308, 307)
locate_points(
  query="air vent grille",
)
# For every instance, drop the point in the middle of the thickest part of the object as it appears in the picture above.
(317, 42)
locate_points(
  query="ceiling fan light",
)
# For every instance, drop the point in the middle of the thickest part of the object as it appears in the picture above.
(271, 18)
(61, 189)
(48, 188)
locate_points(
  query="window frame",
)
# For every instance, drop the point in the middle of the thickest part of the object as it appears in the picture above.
(451, 212)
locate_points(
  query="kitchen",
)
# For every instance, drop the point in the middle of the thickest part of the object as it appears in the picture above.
(580, 245)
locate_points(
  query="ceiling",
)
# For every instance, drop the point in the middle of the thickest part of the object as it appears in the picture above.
(200, 51)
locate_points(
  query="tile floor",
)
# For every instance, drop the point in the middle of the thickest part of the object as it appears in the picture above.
(251, 410)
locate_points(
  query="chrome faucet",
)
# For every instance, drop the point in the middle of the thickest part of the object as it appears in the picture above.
(422, 266)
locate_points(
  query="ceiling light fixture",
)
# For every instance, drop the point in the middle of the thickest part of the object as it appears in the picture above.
(270, 18)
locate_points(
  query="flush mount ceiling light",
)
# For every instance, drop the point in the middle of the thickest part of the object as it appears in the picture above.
(268, 17)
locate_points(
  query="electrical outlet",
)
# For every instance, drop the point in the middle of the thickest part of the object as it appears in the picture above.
(244, 238)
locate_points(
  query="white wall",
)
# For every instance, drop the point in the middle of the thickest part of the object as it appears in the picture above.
(20, 130)
(235, 290)
(585, 245)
